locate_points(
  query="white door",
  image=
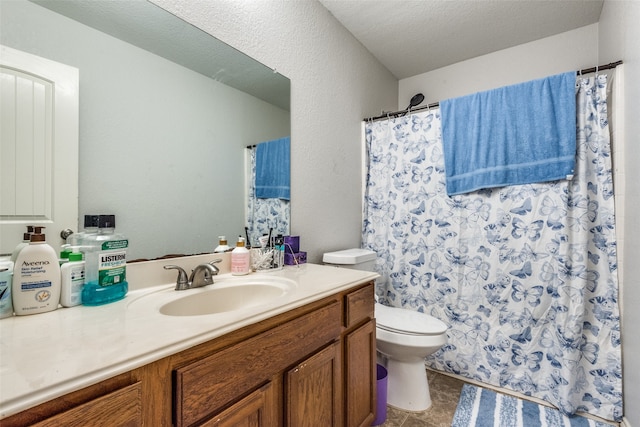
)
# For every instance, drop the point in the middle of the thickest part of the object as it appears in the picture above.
(38, 147)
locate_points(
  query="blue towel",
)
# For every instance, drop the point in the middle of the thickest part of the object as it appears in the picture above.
(273, 160)
(517, 134)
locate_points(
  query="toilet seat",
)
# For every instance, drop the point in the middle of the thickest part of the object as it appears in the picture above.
(407, 322)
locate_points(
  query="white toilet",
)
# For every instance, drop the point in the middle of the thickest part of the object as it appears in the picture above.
(404, 338)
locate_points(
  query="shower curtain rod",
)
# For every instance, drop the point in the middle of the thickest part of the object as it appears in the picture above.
(437, 104)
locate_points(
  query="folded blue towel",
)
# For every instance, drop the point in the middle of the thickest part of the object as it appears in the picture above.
(517, 134)
(273, 161)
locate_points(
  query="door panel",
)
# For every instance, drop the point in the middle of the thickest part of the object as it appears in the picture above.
(360, 355)
(38, 147)
(314, 390)
(259, 409)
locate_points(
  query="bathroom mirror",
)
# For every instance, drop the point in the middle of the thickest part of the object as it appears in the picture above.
(166, 114)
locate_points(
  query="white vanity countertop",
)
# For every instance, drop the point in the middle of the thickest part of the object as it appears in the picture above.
(47, 355)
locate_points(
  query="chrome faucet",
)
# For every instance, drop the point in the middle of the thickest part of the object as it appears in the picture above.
(202, 275)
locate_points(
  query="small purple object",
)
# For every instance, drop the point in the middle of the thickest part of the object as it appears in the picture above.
(295, 259)
(291, 244)
(381, 396)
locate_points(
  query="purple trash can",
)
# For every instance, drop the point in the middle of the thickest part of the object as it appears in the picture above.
(381, 396)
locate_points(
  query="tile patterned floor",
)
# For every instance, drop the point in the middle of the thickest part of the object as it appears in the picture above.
(445, 392)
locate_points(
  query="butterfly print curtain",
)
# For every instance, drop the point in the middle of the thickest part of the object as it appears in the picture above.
(264, 215)
(524, 276)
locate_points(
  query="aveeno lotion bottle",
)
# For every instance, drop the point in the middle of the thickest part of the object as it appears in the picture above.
(36, 277)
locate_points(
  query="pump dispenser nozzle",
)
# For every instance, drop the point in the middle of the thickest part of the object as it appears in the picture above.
(38, 235)
(223, 246)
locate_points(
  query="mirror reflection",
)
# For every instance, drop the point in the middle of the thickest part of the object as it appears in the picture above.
(166, 115)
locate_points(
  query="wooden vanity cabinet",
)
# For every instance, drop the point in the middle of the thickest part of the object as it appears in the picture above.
(359, 345)
(313, 365)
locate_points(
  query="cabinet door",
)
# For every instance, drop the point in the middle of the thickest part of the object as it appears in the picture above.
(120, 408)
(360, 366)
(256, 410)
(314, 390)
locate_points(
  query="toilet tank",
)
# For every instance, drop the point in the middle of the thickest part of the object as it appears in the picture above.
(357, 259)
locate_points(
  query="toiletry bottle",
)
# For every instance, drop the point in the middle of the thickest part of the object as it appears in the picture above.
(90, 228)
(222, 245)
(240, 259)
(278, 254)
(6, 273)
(64, 254)
(72, 279)
(36, 277)
(105, 264)
(26, 238)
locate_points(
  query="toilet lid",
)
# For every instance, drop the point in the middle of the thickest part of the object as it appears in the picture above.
(407, 321)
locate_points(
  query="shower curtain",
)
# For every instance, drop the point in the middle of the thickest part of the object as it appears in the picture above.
(524, 276)
(264, 214)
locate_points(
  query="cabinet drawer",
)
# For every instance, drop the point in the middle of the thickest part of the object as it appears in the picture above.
(359, 306)
(207, 385)
(122, 408)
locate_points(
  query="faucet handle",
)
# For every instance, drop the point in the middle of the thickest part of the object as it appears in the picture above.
(203, 274)
(182, 282)
(215, 261)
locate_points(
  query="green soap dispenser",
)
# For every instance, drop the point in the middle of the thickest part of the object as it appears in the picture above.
(72, 278)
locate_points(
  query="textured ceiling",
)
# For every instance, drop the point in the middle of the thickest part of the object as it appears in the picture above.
(411, 37)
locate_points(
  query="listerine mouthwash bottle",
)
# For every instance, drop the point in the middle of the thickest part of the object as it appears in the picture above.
(90, 227)
(105, 268)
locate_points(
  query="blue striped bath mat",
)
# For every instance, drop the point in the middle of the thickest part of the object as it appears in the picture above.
(479, 407)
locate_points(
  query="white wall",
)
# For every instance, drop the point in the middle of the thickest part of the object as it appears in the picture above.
(619, 38)
(335, 83)
(573, 50)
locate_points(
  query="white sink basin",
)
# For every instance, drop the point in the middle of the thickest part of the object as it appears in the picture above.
(225, 295)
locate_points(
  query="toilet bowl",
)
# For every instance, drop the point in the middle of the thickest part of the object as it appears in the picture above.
(405, 338)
